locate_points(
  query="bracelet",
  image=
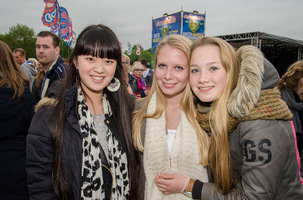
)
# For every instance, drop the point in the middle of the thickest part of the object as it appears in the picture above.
(189, 188)
(185, 186)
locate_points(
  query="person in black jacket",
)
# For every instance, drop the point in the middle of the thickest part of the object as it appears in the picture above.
(148, 73)
(16, 111)
(47, 52)
(79, 146)
(291, 88)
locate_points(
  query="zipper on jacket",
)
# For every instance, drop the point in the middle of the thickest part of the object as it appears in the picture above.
(111, 189)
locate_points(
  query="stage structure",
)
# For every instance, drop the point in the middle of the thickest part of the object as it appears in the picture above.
(189, 24)
(280, 51)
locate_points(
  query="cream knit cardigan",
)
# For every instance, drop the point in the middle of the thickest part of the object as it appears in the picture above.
(184, 158)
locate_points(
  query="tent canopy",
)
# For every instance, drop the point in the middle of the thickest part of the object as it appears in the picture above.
(280, 51)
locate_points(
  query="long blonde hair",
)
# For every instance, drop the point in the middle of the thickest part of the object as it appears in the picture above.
(187, 102)
(219, 156)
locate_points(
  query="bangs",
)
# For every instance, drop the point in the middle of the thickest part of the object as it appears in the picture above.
(99, 43)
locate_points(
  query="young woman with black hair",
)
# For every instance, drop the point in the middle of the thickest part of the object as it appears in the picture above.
(79, 147)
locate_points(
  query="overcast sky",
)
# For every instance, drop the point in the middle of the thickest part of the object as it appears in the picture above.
(131, 20)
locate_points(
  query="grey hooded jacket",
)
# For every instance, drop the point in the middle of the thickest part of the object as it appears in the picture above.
(263, 151)
(30, 71)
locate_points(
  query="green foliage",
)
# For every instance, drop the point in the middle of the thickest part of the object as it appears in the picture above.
(147, 54)
(21, 36)
(65, 51)
(3, 38)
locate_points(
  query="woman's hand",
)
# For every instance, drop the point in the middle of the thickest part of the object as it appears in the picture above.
(171, 183)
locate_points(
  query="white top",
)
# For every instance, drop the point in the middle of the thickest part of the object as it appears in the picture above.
(170, 136)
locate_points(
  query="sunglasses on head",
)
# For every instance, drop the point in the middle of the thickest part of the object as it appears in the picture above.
(137, 70)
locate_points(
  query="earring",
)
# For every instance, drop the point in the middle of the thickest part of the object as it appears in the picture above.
(114, 86)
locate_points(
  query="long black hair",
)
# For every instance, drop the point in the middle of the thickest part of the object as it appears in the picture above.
(98, 41)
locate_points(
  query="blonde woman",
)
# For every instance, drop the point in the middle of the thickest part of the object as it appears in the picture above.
(252, 151)
(165, 130)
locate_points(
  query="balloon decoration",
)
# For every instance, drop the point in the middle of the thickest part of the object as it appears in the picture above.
(57, 18)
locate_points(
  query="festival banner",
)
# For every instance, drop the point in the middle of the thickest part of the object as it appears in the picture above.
(193, 25)
(57, 18)
(163, 26)
(51, 15)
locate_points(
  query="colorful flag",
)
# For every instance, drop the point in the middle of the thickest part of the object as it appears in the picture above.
(57, 18)
(138, 52)
(129, 48)
(120, 44)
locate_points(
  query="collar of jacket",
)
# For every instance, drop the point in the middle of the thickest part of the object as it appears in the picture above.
(53, 68)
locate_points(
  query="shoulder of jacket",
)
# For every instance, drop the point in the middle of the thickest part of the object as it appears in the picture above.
(257, 128)
(45, 102)
(60, 67)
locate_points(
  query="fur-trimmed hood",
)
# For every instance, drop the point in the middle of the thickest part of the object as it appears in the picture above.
(256, 74)
(45, 102)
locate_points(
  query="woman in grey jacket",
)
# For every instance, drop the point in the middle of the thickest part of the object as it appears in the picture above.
(252, 152)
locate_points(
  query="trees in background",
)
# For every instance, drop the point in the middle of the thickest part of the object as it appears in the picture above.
(147, 54)
(22, 36)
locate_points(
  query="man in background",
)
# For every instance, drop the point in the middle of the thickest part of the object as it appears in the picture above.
(27, 67)
(148, 73)
(47, 52)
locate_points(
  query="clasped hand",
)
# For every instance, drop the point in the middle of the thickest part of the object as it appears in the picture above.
(170, 183)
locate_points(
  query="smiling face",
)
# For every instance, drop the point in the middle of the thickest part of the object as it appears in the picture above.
(95, 73)
(207, 74)
(171, 71)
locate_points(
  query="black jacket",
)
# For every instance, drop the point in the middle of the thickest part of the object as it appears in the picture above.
(134, 85)
(40, 152)
(15, 118)
(58, 71)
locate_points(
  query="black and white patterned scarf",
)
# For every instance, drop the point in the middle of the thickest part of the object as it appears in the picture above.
(92, 186)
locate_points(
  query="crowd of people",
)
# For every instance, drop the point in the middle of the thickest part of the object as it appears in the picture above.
(207, 122)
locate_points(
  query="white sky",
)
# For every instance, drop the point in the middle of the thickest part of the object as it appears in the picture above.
(131, 20)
